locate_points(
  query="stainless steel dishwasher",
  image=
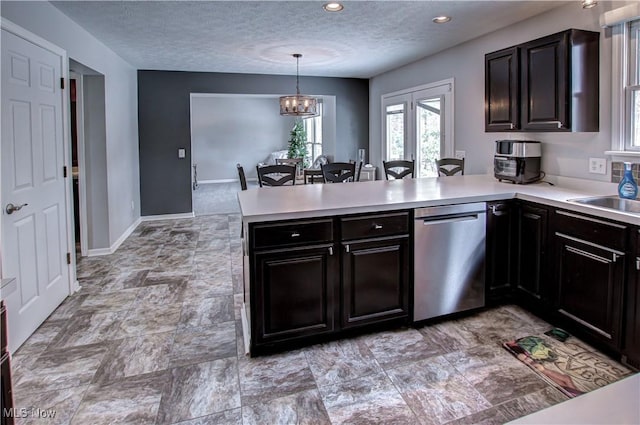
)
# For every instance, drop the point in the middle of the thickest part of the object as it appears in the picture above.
(449, 263)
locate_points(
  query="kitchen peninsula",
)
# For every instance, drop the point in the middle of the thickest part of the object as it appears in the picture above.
(309, 252)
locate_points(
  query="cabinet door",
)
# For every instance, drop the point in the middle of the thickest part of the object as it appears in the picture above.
(294, 293)
(631, 346)
(544, 84)
(590, 283)
(375, 281)
(501, 101)
(532, 253)
(500, 244)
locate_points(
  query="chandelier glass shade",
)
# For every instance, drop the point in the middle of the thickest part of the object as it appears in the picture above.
(298, 105)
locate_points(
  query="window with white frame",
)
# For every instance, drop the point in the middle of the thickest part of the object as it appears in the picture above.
(313, 128)
(632, 87)
(625, 94)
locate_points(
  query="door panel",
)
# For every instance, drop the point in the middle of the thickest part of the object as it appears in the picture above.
(34, 238)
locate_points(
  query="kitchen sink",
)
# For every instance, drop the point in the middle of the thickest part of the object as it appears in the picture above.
(611, 202)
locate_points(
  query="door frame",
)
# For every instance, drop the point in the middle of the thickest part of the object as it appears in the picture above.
(18, 31)
(408, 95)
(82, 172)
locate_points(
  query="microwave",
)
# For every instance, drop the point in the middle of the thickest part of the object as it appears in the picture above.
(517, 161)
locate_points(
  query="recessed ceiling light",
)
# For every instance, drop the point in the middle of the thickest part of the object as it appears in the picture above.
(441, 19)
(588, 4)
(333, 6)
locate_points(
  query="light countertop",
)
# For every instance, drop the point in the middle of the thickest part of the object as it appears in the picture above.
(615, 403)
(318, 200)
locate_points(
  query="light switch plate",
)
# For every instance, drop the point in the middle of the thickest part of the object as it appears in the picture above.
(181, 153)
(598, 165)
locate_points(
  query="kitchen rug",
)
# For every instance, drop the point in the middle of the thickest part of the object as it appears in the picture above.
(570, 365)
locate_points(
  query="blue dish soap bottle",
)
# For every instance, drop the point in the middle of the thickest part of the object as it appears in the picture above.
(628, 188)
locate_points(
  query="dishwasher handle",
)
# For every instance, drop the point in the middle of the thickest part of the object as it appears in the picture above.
(445, 220)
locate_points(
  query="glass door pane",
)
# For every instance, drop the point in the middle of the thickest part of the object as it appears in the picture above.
(395, 125)
(429, 135)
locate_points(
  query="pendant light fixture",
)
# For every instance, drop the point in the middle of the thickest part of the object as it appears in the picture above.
(298, 105)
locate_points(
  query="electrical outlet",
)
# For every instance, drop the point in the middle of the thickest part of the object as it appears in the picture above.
(460, 154)
(181, 153)
(597, 165)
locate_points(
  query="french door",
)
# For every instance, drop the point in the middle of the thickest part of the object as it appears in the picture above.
(418, 124)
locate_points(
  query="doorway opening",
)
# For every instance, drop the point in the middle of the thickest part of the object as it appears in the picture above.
(89, 161)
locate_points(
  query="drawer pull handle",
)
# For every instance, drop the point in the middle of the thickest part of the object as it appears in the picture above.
(637, 263)
(295, 235)
(346, 247)
(377, 226)
(330, 250)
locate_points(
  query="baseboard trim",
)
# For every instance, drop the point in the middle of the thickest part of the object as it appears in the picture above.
(167, 216)
(114, 247)
(218, 181)
(249, 179)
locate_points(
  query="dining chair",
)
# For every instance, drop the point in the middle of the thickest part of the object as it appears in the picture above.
(276, 175)
(399, 169)
(243, 179)
(339, 172)
(450, 166)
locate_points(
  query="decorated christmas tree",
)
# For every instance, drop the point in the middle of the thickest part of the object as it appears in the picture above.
(298, 142)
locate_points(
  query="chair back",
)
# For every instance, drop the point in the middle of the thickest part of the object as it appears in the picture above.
(450, 166)
(358, 170)
(399, 169)
(243, 179)
(276, 175)
(339, 172)
(297, 162)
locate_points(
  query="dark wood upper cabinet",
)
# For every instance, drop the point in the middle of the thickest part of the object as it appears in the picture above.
(558, 86)
(502, 90)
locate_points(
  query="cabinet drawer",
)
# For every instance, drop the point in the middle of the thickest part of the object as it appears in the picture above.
(595, 230)
(371, 226)
(292, 233)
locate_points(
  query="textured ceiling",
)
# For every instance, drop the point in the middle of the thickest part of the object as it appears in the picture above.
(364, 40)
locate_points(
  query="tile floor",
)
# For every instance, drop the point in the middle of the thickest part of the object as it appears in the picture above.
(154, 336)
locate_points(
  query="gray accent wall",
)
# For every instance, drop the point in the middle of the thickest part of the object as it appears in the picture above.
(164, 124)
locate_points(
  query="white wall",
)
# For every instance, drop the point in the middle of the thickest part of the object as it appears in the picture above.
(121, 102)
(564, 154)
(226, 130)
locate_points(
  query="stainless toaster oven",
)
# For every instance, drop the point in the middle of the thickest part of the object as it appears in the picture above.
(517, 161)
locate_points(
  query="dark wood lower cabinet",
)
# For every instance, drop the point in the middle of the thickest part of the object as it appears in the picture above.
(303, 290)
(500, 250)
(631, 345)
(294, 293)
(590, 281)
(6, 391)
(531, 270)
(375, 281)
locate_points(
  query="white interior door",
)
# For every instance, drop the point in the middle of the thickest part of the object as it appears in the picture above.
(35, 236)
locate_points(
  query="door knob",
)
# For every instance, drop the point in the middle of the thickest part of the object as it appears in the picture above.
(13, 208)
